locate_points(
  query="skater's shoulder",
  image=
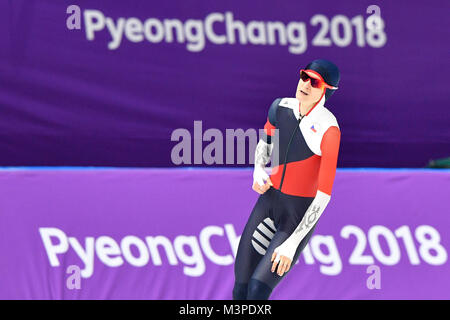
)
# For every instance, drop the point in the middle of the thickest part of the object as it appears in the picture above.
(290, 103)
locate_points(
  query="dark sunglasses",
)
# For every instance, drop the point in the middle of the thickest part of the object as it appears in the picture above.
(315, 83)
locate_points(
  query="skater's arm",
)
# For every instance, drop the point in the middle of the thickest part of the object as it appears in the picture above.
(261, 180)
(330, 150)
(327, 172)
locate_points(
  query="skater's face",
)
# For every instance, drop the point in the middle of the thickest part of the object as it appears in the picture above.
(306, 93)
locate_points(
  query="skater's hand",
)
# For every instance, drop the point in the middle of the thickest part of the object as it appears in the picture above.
(262, 189)
(259, 176)
(282, 256)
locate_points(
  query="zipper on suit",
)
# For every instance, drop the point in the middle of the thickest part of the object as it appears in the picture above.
(287, 148)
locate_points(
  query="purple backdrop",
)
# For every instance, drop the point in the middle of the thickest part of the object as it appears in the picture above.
(396, 220)
(67, 100)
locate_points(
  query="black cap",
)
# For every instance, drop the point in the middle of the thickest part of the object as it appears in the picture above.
(329, 72)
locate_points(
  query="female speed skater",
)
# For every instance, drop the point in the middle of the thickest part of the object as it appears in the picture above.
(295, 195)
